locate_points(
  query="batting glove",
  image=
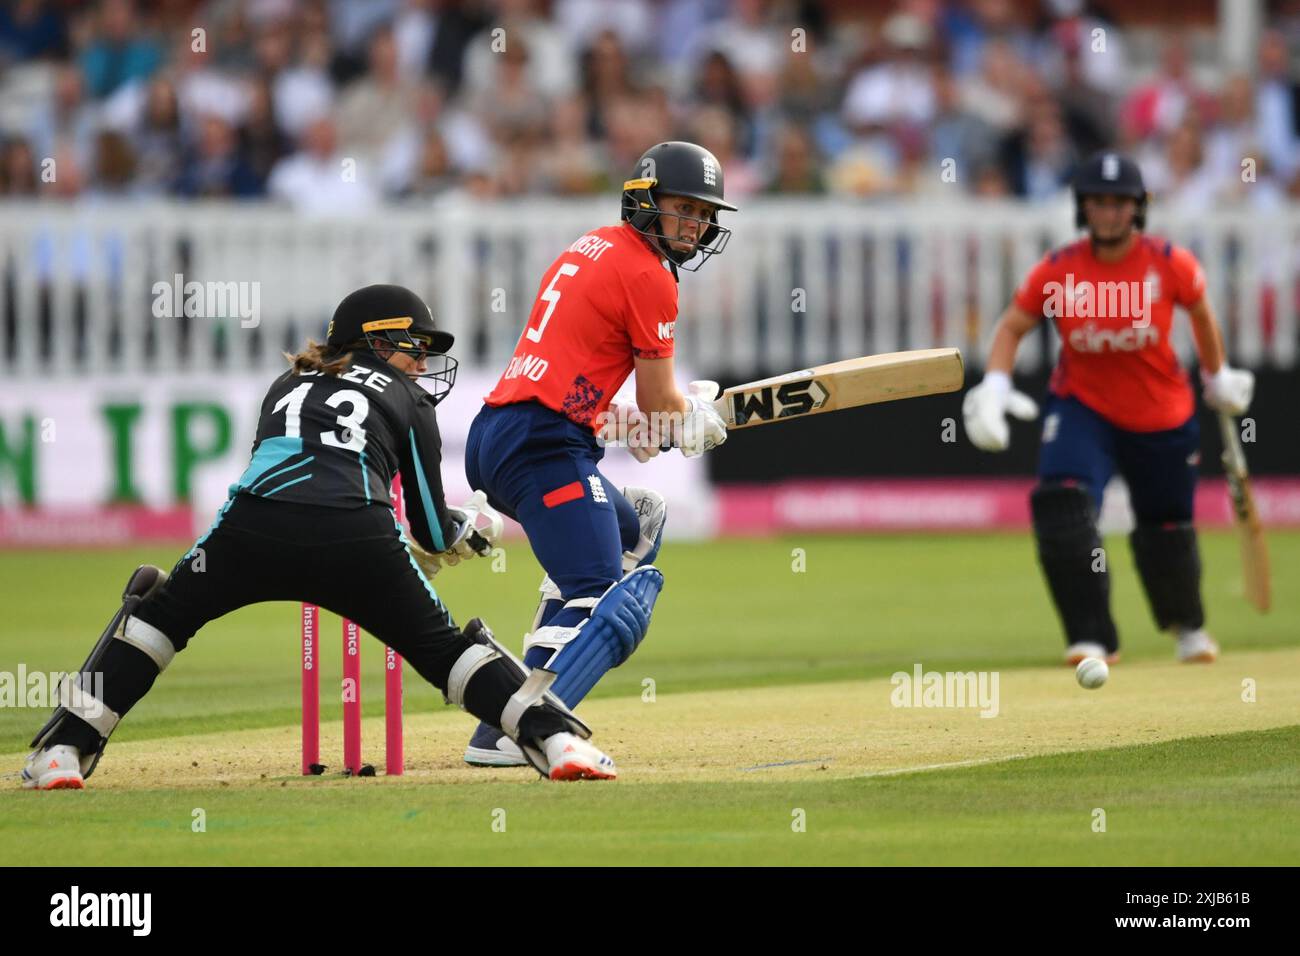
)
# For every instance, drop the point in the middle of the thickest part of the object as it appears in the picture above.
(1229, 389)
(985, 409)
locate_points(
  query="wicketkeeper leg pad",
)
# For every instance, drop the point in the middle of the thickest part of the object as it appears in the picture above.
(1169, 564)
(1069, 549)
(530, 712)
(95, 720)
(615, 629)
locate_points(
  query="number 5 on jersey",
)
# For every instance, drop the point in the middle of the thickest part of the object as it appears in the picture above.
(550, 296)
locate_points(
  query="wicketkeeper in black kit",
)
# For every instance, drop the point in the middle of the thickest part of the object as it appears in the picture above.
(311, 520)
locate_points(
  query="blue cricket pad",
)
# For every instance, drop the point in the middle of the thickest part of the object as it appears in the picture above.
(617, 624)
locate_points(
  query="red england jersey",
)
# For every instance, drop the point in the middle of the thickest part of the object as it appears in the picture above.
(1115, 320)
(605, 301)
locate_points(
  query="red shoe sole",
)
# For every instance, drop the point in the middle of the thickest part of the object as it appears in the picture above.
(577, 771)
(70, 783)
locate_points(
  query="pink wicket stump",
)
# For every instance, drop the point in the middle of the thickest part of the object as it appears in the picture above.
(351, 698)
(310, 689)
(394, 758)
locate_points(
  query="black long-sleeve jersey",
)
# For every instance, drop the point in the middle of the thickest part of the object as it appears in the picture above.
(338, 440)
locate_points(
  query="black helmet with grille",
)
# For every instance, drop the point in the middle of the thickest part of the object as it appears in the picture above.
(677, 169)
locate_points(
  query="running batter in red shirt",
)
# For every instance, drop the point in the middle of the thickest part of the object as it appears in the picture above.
(605, 307)
(1118, 402)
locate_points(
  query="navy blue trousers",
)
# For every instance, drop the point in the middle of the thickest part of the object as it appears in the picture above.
(542, 470)
(1159, 467)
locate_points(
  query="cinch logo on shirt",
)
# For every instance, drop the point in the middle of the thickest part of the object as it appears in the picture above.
(666, 330)
(1089, 338)
(1101, 300)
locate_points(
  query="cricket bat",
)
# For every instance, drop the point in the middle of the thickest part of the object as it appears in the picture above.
(848, 384)
(1254, 551)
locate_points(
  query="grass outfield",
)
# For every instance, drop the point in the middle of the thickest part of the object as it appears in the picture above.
(771, 694)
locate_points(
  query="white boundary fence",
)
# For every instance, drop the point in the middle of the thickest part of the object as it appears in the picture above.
(802, 282)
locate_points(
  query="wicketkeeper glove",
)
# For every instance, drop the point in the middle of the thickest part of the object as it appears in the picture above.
(471, 539)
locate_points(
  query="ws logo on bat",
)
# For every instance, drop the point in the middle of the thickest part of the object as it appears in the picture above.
(771, 402)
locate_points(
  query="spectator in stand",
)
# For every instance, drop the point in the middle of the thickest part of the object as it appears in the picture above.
(459, 132)
(1277, 104)
(1179, 178)
(996, 94)
(302, 91)
(120, 52)
(30, 30)
(632, 22)
(715, 129)
(571, 165)
(748, 38)
(374, 108)
(551, 65)
(900, 89)
(69, 179)
(214, 168)
(156, 141)
(318, 180)
(888, 106)
(114, 174)
(1235, 139)
(65, 117)
(1161, 105)
(970, 26)
(352, 23)
(808, 96)
(1040, 160)
(798, 168)
(1087, 110)
(513, 110)
(454, 24)
(631, 122)
(18, 177)
(606, 76)
(718, 85)
(1095, 45)
(433, 174)
(262, 143)
(958, 134)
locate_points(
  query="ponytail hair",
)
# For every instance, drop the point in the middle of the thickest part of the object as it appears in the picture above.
(318, 357)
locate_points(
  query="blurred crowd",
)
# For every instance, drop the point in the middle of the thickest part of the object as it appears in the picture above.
(335, 105)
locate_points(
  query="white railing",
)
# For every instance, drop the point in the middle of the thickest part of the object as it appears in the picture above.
(802, 282)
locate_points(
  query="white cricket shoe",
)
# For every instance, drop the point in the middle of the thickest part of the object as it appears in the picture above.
(572, 758)
(1078, 651)
(58, 768)
(1197, 647)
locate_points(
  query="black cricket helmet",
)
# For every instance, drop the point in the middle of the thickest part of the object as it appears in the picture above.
(677, 169)
(1110, 174)
(395, 319)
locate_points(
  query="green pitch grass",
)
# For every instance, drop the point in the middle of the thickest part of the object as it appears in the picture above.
(758, 703)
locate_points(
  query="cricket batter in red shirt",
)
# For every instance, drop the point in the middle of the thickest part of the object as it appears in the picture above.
(605, 307)
(1118, 402)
